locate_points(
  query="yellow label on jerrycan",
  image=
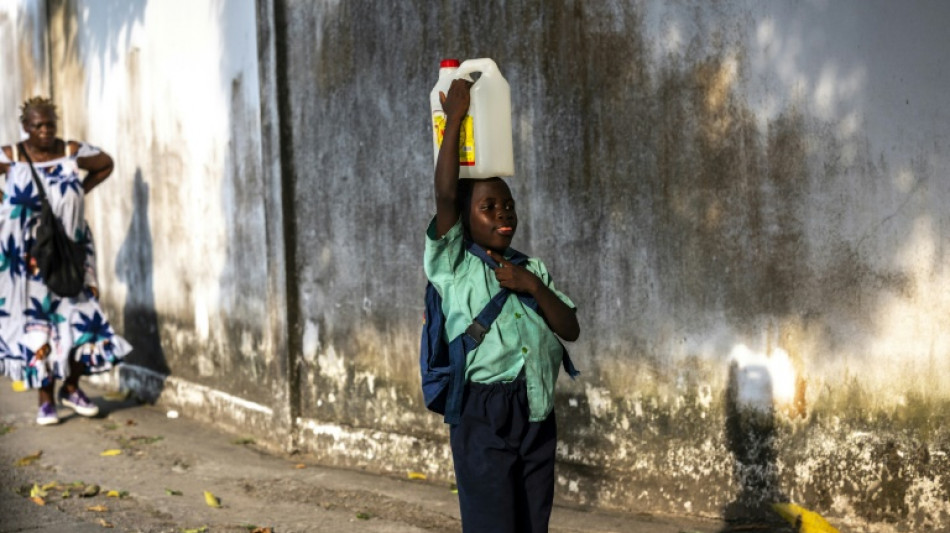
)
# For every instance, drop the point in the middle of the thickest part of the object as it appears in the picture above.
(447, 69)
(485, 147)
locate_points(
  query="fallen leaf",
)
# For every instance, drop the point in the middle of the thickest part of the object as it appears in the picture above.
(212, 500)
(19, 386)
(117, 494)
(243, 441)
(52, 485)
(300, 466)
(202, 529)
(809, 521)
(97, 508)
(111, 453)
(90, 491)
(417, 475)
(105, 524)
(130, 422)
(145, 439)
(38, 501)
(363, 516)
(37, 492)
(172, 492)
(263, 530)
(29, 459)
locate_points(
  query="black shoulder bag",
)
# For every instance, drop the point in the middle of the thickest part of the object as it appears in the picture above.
(61, 260)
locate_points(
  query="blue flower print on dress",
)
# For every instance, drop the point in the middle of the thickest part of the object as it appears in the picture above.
(3, 303)
(24, 204)
(93, 328)
(54, 171)
(65, 181)
(31, 372)
(11, 258)
(45, 311)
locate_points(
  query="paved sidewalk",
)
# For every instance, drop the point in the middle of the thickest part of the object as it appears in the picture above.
(166, 465)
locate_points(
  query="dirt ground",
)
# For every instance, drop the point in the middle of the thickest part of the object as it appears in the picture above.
(156, 483)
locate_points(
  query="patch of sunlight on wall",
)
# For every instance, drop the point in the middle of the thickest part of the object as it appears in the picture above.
(180, 104)
(763, 381)
(834, 87)
(904, 180)
(910, 330)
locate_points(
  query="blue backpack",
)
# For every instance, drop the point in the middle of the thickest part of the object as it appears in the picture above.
(443, 365)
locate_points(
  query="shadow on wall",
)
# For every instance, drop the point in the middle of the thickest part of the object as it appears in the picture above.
(133, 266)
(750, 434)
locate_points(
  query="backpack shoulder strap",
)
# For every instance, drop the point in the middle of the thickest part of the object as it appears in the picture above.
(517, 257)
(491, 313)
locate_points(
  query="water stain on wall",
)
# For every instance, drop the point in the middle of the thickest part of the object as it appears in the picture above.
(660, 200)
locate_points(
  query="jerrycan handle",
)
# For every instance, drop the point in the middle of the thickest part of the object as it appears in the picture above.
(484, 65)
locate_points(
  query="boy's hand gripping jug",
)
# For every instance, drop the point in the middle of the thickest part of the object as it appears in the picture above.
(485, 147)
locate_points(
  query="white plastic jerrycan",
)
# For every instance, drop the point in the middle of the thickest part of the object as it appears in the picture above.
(485, 147)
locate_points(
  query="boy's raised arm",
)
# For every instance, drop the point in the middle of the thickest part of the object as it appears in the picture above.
(455, 106)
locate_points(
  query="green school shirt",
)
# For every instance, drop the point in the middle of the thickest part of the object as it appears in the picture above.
(519, 337)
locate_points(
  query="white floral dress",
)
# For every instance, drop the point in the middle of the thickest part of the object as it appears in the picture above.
(30, 314)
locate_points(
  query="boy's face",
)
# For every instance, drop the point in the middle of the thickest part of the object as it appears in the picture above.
(492, 216)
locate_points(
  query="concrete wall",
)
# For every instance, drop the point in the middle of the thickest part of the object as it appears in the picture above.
(182, 225)
(729, 185)
(24, 55)
(744, 199)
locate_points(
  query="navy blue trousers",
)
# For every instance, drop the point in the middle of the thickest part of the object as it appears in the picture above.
(504, 464)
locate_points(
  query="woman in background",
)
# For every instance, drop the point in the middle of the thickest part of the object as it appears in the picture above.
(45, 337)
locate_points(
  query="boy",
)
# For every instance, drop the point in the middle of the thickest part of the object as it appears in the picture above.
(504, 445)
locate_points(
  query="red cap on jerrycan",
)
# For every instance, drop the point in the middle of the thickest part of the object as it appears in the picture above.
(448, 63)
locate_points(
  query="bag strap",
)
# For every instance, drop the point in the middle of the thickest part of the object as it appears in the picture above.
(479, 327)
(476, 331)
(36, 179)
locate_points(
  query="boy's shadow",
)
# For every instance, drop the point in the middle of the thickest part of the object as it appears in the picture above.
(140, 326)
(750, 434)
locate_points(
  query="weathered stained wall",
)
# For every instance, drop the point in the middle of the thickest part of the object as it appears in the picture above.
(181, 226)
(744, 199)
(23, 59)
(699, 178)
